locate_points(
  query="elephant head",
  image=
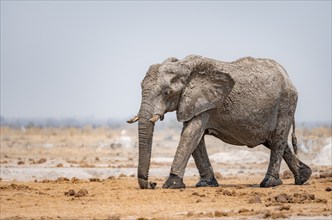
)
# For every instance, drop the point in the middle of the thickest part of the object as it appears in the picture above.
(190, 87)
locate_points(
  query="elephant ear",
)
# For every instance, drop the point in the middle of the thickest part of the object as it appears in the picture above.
(206, 89)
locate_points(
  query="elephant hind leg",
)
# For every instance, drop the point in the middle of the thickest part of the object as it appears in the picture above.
(299, 169)
(278, 142)
(272, 175)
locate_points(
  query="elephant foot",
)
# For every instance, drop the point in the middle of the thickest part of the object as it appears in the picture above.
(212, 182)
(270, 181)
(304, 174)
(174, 182)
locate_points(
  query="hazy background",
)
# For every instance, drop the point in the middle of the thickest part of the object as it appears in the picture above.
(82, 59)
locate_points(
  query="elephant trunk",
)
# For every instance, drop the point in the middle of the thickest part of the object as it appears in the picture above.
(145, 135)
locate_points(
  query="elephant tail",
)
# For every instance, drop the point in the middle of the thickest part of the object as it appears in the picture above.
(294, 139)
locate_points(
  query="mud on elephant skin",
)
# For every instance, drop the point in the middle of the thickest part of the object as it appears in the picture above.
(246, 102)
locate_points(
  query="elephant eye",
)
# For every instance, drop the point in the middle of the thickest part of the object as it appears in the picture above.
(175, 79)
(167, 92)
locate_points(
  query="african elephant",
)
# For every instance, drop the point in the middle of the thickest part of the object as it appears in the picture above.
(246, 102)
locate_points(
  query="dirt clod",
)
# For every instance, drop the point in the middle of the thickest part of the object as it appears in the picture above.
(220, 214)
(81, 193)
(70, 192)
(41, 161)
(190, 213)
(95, 179)
(282, 198)
(74, 180)
(255, 199)
(218, 175)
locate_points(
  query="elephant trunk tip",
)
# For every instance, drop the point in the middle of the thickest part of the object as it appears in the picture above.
(145, 184)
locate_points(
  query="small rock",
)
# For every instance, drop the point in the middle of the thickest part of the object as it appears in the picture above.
(321, 200)
(122, 175)
(220, 213)
(218, 175)
(220, 190)
(81, 193)
(255, 199)
(281, 198)
(311, 196)
(267, 214)
(94, 179)
(190, 213)
(328, 189)
(62, 179)
(71, 192)
(195, 194)
(41, 160)
(228, 193)
(20, 162)
(74, 180)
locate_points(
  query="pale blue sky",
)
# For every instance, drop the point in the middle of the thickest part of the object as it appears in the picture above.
(86, 58)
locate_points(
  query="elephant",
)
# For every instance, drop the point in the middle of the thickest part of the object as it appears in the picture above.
(247, 102)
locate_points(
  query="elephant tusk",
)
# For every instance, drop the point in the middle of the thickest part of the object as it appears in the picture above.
(133, 120)
(155, 118)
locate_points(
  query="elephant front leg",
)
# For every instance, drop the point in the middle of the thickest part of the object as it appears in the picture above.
(204, 167)
(191, 135)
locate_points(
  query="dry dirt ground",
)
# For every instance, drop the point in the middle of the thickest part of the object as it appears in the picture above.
(107, 195)
(120, 198)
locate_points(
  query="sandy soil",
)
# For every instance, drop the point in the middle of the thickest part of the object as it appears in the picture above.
(109, 190)
(120, 198)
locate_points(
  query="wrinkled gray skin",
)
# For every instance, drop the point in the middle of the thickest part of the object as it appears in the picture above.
(245, 102)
